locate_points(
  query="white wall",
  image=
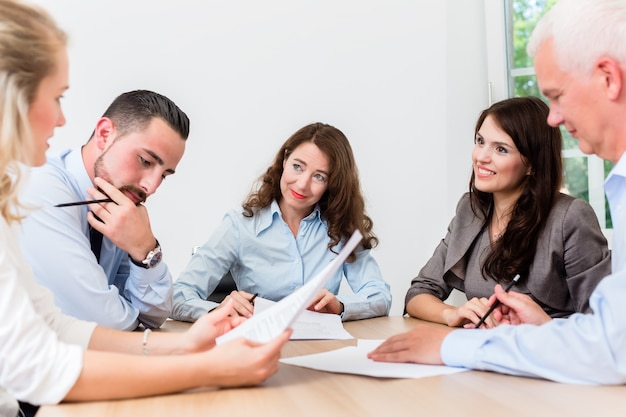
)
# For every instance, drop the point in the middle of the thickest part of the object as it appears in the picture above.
(403, 79)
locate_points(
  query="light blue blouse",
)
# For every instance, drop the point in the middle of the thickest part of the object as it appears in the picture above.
(264, 257)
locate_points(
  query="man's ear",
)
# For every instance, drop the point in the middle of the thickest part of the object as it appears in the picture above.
(613, 78)
(104, 134)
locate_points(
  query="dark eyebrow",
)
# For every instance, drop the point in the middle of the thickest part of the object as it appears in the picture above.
(496, 143)
(158, 159)
(504, 145)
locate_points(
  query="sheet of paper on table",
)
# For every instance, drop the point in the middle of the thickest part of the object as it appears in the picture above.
(270, 323)
(310, 325)
(353, 360)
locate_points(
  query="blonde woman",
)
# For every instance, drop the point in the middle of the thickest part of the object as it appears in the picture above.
(46, 357)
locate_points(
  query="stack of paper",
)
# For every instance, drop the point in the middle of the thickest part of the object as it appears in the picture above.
(354, 360)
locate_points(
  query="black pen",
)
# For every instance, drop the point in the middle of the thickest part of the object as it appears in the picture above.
(251, 300)
(497, 302)
(80, 203)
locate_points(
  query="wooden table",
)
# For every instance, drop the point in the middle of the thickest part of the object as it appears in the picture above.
(296, 391)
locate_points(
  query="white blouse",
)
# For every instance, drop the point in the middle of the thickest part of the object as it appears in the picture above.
(41, 350)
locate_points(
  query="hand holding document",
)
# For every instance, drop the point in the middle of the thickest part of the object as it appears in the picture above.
(354, 360)
(310, 325)
(270, 323)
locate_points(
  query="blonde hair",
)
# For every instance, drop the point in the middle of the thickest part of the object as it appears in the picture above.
(29, 43)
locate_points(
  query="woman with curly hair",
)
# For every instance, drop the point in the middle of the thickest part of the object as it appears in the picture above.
(305, 207)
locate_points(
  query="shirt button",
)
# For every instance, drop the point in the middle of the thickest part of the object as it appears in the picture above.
(296, 261)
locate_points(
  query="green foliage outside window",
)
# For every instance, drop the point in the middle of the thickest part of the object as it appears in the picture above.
(524, 16)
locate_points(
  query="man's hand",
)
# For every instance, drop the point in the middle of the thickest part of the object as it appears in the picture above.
(419, 345)
(517, 308)
(123, 222)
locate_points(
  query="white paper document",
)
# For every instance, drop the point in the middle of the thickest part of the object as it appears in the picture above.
(270, 323)
(353, 360)
(310, 325)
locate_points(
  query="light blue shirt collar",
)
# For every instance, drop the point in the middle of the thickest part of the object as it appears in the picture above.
(264, 218)
(73, 161)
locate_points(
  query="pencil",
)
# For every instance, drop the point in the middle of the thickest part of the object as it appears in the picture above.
(251, 300)
(497, 302)
(80, 203)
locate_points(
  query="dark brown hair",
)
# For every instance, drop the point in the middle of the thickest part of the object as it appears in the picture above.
(134, 110)
(524, 119)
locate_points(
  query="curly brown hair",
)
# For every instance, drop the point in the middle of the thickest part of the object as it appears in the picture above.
(342, 206)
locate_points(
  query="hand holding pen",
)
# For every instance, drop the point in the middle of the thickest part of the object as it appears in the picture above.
(518, 308)
(243, 302)
(251, 300)
(496, 303)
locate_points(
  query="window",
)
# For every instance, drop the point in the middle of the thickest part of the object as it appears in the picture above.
(511, 74)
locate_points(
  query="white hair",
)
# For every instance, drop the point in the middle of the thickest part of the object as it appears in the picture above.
(582, 31)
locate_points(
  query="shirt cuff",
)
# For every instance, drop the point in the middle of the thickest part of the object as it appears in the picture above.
(147, 276)
(191, 310)
(460, 347)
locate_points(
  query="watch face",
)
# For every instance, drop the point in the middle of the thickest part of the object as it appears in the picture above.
(156, 258)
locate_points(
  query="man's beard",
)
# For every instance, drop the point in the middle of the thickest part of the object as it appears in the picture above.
(100, 171)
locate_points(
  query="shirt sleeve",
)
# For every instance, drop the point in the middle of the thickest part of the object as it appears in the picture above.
(371, 294)
(204, 271)
(41, 349)
(56, 244)
(583, 349)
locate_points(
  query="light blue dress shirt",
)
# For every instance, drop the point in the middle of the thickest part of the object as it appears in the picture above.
(615, 190)
(264, 257)
(585, 348)
(55, 241)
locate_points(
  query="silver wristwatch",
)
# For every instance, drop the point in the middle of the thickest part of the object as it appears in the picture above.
(153, 258)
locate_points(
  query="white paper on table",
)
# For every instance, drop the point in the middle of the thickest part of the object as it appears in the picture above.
(310, 325)
(269, 324)
(353, 360)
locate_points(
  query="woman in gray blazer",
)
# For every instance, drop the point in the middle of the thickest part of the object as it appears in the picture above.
(514, 221)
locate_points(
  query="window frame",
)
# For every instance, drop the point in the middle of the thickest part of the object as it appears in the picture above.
(500, 83)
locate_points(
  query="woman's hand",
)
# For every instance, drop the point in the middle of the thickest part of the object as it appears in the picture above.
(241, 362)
(240, 302)
(202, 334)
(326, 302)
(469, 314)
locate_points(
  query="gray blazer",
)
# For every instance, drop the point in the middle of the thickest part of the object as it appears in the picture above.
(572, 256)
